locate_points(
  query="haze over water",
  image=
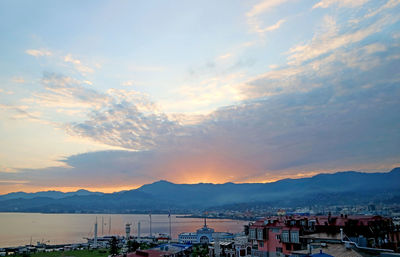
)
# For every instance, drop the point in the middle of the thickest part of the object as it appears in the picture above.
(18, 228)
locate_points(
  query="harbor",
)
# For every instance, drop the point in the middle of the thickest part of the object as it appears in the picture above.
(44, 232)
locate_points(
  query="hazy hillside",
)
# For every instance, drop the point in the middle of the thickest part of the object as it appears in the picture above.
(323, 189)
(49, 194)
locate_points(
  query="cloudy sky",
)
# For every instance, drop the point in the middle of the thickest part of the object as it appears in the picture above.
(109, 95)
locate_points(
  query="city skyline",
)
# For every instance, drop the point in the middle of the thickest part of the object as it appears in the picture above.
(108, 96)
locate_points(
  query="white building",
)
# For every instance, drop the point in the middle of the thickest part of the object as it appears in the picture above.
(203, 235)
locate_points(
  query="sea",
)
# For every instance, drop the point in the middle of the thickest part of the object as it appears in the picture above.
(18, 229)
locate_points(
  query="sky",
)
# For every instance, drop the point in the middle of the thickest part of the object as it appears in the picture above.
(111, 95)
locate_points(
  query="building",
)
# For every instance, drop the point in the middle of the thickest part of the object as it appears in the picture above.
(274, 236)
(336, 250)
(237, 247)
(204, 235)
(283, 235)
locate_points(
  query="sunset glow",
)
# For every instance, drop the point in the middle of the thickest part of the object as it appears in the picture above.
(108, 96)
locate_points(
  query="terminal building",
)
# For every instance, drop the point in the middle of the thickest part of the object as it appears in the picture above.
(203, 235)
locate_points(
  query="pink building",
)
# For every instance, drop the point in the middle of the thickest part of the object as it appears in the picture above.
(280, 235)
(274, 236)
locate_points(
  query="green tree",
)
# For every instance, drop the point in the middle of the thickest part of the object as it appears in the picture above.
(132, 246)
(200, 250)
(114, 246)
(204, 250)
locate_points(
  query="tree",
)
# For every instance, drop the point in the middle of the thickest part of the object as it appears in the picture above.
(132, 246)
(114, 246)
(200, 250)
(204, 250)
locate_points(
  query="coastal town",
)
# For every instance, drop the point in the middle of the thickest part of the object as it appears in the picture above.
(283, 234)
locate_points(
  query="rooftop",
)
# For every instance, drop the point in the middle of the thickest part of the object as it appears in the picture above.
(337, 250)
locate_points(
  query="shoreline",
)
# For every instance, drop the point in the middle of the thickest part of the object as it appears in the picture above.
(216, 218)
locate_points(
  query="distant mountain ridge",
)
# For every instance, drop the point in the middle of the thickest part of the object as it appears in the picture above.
(50, 194)
(323, 189)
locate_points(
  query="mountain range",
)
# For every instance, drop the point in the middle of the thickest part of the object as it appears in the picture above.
(347, 187)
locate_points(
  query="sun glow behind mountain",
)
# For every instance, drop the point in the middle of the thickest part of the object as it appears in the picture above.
(128, 93)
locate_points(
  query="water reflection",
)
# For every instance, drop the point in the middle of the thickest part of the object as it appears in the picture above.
(20, 228)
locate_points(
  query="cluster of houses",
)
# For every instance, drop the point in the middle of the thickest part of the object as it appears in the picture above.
(275, 236)
(292, 236)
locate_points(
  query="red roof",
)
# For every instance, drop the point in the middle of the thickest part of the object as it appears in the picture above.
(283, 221)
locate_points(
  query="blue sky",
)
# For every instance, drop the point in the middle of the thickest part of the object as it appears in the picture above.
(108, 95)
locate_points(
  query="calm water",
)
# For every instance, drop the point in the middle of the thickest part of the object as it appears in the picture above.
(18, 228)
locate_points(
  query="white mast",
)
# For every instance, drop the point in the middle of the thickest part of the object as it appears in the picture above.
(102, 225)
(109, 226)
(150, 225)
(138, 230)
(169, 216)
(95, 235)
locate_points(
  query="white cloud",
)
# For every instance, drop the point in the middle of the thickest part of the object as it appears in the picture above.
(260, 8)
(2, 181)
(78, 64)
(66, 92)
(127, 83)
(389, 4)
(374, 48)
(332, 39)
(275, 26)
(38, 52)
(224, 56)
(264, 6)
(340, 3)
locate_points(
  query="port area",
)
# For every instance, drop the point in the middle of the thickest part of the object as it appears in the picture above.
(69, 253)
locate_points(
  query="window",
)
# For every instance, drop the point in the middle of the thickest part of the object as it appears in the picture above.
(252, 233)
(260, 234)
(279, 249)
(278, 237)
(261, 244)
(294, 237)
(288, 247)
(285, 236)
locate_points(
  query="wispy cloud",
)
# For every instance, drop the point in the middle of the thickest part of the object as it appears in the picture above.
(275, 26)
(22, 112)
(66, 92)
(264, 6)
(14, 182)
(78, 64)
(340, 3)
(389, 4)
(257, 10)
(224, 56)
(333, 39)
(38, 52)
(127, 83)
